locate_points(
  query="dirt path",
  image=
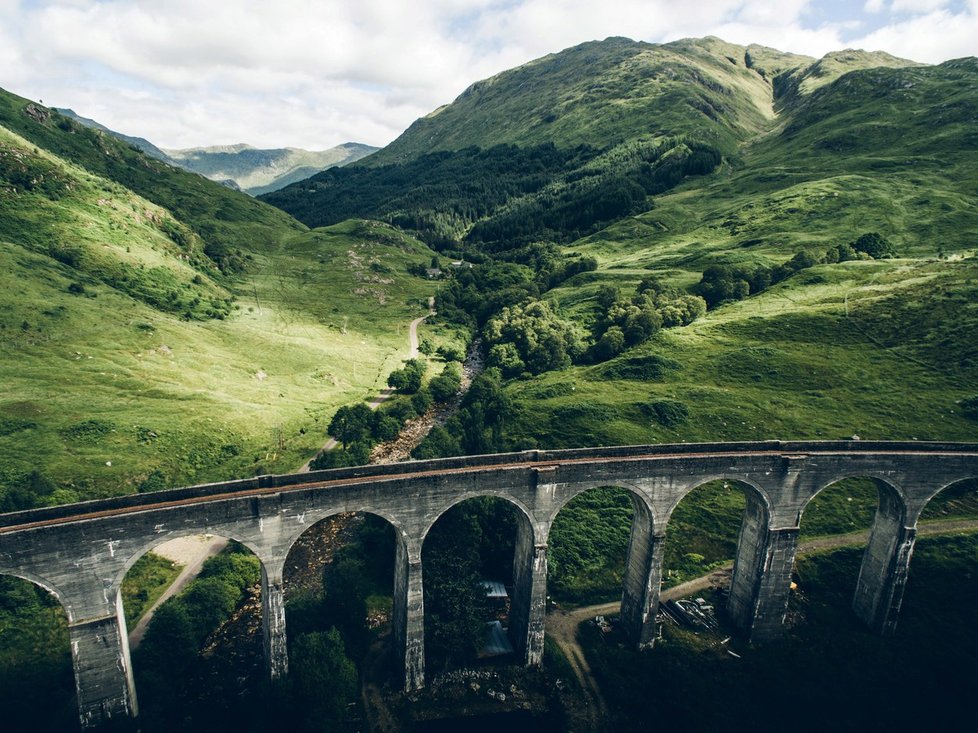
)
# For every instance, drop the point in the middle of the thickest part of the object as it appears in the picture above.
(562, 626)
(385, 394)
(191, 552)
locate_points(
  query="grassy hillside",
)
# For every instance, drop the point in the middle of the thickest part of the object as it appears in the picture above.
(131, 360)
(602, 93)
(814, 154)
(882, 349)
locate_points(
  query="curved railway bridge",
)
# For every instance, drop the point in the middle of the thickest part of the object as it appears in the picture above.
(81, 552)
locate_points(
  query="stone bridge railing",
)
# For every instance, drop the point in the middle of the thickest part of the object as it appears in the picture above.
(81, 552)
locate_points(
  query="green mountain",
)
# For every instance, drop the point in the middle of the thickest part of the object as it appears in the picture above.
(220, 329)
(261, 171)
(242, 167)
(160, 329)
(140, 142)
(771, 173)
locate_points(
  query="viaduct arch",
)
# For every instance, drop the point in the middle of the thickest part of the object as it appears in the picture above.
(82, 550)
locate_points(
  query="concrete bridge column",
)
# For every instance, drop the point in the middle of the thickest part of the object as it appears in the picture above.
(643, 578)
(409, 616)
(528, 609)
(273, 621)
(885, 565)
(762, 574)
(103, 671)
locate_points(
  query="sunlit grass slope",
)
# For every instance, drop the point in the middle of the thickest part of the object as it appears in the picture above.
(788, 363)
(129, 360)
(881, 349)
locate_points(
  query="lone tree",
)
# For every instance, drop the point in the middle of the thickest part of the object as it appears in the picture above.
(875, 245)
(350, 423)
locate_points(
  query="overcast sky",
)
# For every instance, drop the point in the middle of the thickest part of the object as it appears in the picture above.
(316, 73)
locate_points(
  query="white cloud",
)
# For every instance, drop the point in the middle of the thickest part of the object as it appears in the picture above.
(315, 73)
(917, 6)
(931, 38)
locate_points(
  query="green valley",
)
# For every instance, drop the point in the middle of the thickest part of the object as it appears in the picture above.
(688, 242)
(160, 329)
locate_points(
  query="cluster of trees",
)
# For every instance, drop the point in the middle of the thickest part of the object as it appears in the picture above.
(477, 426)
(623, 323)
(437, 195)
(531, 338)
(721, 283)
(328, 631)
(503, 196)
(358, 428)
(615, 184)
(168, 657)
(525, 335)
(551, 265)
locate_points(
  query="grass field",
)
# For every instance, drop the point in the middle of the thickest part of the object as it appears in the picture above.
(146, 581)
(130, 362)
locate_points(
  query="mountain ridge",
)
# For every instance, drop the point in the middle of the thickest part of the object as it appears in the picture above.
(246, 167)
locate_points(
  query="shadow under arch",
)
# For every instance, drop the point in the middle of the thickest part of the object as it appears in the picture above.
(215, 600)
(348, 572)
(883, 568)
(481, 536)
(37, 685)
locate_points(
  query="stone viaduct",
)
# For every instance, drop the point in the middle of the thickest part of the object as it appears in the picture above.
(81, 552)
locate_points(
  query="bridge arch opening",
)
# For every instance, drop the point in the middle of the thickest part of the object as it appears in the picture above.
(339, 587)
(721, 557)
(944, 570)
(588, 545)
(861, 519)
(476, 583)
(605, 552)
(703, 532)
(192, 612)
(37, 687)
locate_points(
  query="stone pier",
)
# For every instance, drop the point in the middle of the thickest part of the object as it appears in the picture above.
(273, 622)
(529, 604)
(885, 565)
(762, 573)
(643, 577)
(408, 615)
(103, 671)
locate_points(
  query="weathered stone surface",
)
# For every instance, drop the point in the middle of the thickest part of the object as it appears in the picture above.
(81, 552)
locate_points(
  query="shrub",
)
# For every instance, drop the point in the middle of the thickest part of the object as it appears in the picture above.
(969, 407)
(669, 413)
(648, 367)
(445, 386)
(875, 245)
